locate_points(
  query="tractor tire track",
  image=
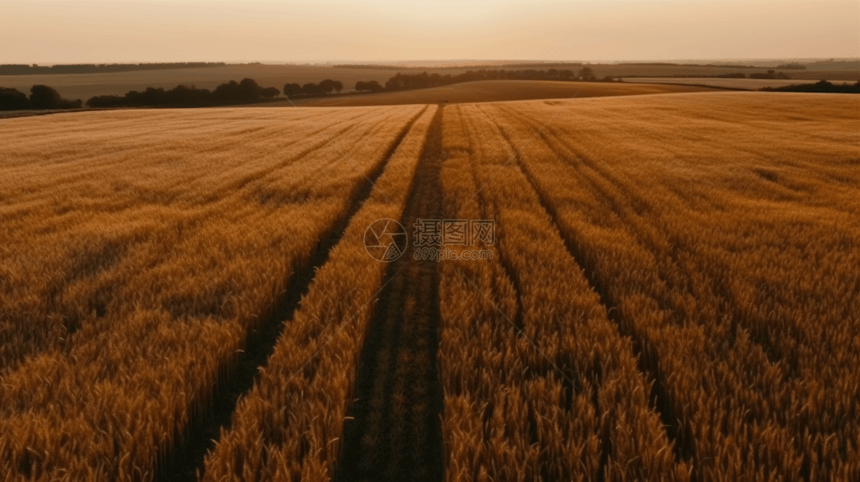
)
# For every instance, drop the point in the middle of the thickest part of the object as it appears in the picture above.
(646, 356)
(593, 173)
(185, 459)
(393, 430)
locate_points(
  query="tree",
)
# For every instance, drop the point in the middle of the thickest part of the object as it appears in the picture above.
(270, 92)
(311, 89)
(44, 97)
(232, 93)
(292, 89)
(13, 99)
(326, 86)
(250, 89)
(565, 74)
(106, 101)
(338, 86)
(587, 74)
(372, 86)
(185, 96)
(70, 104)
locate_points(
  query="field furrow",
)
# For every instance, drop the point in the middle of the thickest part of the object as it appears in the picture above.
(185, 461)
(291, 424)
(155, 297)
(393, 431)
(648, 287)
(716, 285)
(186, 190)
(568, 402)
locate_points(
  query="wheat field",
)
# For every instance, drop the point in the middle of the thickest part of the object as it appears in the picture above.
(672, 292)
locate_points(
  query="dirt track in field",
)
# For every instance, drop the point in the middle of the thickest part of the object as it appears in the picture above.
(187, 458)
(394, 432)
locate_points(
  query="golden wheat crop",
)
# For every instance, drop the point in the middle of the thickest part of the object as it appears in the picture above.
(723, 228)
(557, 388)
(140, 249)
(673, 293)
(291, 424)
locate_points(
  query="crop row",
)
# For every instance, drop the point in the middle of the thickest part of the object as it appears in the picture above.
(539, 385)
(143, 249)
(732, 265)
(290, 426)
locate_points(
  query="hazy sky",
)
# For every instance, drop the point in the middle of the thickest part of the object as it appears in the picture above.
(64, 31)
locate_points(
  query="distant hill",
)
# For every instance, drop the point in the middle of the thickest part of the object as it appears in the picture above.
(21, 69)
(834, 65)
(500, 90)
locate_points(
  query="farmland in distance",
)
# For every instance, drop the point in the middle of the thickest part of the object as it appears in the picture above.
(673, 291)
(740, 84)
(501, 90)
(84, 86)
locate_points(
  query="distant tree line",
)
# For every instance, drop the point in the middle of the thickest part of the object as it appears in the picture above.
(245, 92)
(364, 66)
(515, 66)
(327, 86)
(821, 86)
(248, 91)
(22, 69)
(770, 74)
(372, 86)
(41, 97)
(737, 75)
(672, 64)
(791, 66)
(424, 80)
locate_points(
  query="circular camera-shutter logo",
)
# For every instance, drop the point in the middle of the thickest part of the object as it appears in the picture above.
(385, 240)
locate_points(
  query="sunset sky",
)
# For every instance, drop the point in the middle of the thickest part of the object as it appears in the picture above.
(61, 31)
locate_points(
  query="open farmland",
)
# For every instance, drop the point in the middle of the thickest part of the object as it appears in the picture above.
(84, 86)
(673, 291)
(500, 90)
(741, 84)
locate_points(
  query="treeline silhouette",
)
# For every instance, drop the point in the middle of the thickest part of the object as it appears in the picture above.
(327, 86)
(770, 74)
(454, 66)
(41, 97)
(672, 64)
(424, 80)
(821, 86)
(791, 66)
(245, 92)
(372, 86)
(21, 69)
